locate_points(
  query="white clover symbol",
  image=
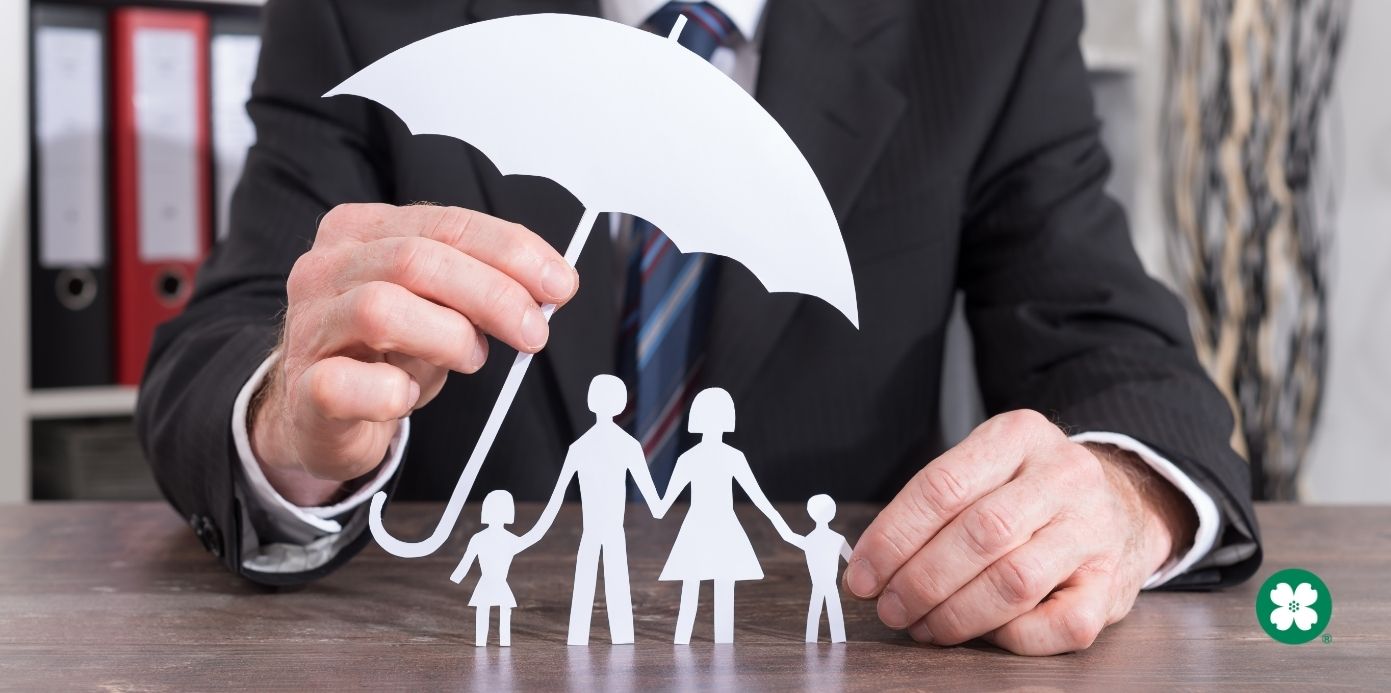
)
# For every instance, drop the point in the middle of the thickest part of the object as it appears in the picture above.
(1294, 606)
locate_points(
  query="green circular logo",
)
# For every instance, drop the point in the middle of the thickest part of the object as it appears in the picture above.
(1293, 606)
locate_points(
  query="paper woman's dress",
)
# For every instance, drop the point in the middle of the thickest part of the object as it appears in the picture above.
(712, 544)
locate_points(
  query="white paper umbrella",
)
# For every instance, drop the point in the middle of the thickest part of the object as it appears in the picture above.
(627, 122)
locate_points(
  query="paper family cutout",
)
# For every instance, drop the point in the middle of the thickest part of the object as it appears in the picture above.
(711, 545)
(628, 122)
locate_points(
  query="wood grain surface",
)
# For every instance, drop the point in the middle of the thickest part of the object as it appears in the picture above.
(122, 597)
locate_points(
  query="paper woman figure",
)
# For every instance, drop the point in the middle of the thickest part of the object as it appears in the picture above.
(494, 547)
(824, 548)
(711, 544)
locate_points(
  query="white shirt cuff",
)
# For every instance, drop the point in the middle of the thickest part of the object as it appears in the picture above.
(1206, 508)
(301, 523)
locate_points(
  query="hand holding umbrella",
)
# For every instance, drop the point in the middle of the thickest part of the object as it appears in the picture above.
(627, 122)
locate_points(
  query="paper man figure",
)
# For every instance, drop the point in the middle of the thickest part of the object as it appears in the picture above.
(711, 544)
(603, 458)
(824, 548)
(494, 547)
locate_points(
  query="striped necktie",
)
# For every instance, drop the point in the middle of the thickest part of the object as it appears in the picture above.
(662, 336)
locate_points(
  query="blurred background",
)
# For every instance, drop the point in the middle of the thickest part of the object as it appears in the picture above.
(1252, 150)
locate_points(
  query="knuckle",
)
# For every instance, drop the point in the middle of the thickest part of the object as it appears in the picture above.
(990, 529)
(922, 585)
(1079, 627)
(947, 624)
(335, 219)
(528, 250)
(453, 225)
(1018, 582)
(888, 543)
(413, 261)
(942, 493)
(345, 216)
(398, 399)
(506, 298)
(1079, 463)
(320, 389)
(1021, 422)
(373, 314)
(304, 277)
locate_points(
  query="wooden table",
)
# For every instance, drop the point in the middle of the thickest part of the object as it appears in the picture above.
(122, 597)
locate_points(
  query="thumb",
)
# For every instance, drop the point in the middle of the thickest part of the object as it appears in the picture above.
(344, 413)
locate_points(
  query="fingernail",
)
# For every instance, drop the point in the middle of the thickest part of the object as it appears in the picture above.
(891, 610)
(920, 632)
(860, 578)
(480, 351)
(413, 393)
(534, 330)
(558, 280)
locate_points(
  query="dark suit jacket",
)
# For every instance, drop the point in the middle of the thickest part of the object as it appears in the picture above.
(957, 143)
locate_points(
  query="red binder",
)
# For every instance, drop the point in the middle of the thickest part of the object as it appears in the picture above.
(162, 214)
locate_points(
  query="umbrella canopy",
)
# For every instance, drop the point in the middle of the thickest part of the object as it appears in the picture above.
(627, 121)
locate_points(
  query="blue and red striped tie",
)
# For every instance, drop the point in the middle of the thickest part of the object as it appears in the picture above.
(662, 337)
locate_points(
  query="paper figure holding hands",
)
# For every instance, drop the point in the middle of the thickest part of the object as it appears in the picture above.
(620, 89)
(603, 458)
(495, 547)
(824, 548)
(711, 544)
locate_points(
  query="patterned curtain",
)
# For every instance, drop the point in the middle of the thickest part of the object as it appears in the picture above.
(1247, 201)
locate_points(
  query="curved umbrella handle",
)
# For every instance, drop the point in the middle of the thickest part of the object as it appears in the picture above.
(430, 544)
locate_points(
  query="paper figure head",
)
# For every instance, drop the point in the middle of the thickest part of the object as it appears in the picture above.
(497, 508)
(712, 411)
(608, 396)
(821, 508)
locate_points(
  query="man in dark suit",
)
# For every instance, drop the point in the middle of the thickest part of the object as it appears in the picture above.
(957, 143)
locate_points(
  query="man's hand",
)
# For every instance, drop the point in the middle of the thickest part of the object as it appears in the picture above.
(385, 304)
(1020, 536)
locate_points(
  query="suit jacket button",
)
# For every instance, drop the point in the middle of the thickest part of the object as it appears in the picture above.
(207, 534)
(196, 522)
(212, 539)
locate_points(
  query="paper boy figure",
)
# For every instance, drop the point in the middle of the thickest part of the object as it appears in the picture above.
(495, 547)
(824, 548)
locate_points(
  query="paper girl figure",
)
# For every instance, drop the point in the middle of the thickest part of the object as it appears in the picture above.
(711, 544)
(824, 548)
(494, 547)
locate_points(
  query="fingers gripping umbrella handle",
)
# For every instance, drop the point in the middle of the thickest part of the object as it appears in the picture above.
(455, 506)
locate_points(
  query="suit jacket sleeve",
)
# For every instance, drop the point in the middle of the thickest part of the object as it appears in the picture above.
(1065, 319)
(311, 154)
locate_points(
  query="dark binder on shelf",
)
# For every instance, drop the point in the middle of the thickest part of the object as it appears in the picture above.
(69, 263)
(235, 48)
(160, 146)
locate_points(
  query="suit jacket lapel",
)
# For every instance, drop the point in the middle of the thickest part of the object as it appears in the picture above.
(840, 113)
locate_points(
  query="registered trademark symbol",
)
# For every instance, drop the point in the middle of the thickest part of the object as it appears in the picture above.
(1327, 638)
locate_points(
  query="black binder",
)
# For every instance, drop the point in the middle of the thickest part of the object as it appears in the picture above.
(69, 250)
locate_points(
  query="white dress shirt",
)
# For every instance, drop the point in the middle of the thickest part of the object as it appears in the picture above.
(298, 538)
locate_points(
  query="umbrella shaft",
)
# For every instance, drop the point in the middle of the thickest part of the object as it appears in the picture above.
(485, 440)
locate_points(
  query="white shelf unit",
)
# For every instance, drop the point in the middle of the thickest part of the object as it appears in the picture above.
(19, 405)
(81, 402)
